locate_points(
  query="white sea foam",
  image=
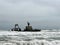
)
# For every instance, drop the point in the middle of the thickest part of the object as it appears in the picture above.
(30, 38)
(33, 42)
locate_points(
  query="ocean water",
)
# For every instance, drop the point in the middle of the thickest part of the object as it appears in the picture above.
(45, 37)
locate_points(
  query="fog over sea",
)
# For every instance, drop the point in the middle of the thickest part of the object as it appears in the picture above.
(45, 37)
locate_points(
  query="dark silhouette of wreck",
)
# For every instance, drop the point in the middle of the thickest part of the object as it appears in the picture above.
(16, 28)
(27, 28)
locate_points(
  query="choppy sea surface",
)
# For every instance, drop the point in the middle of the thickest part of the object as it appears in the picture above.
(45, 37)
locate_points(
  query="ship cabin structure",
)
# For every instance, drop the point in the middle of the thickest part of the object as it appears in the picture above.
(28, 28)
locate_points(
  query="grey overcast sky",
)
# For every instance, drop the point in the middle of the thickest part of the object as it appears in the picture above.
(40, 13)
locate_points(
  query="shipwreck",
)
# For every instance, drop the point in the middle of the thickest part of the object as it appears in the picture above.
(27, 28)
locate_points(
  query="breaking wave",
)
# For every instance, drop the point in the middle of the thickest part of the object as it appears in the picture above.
(45, 37)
